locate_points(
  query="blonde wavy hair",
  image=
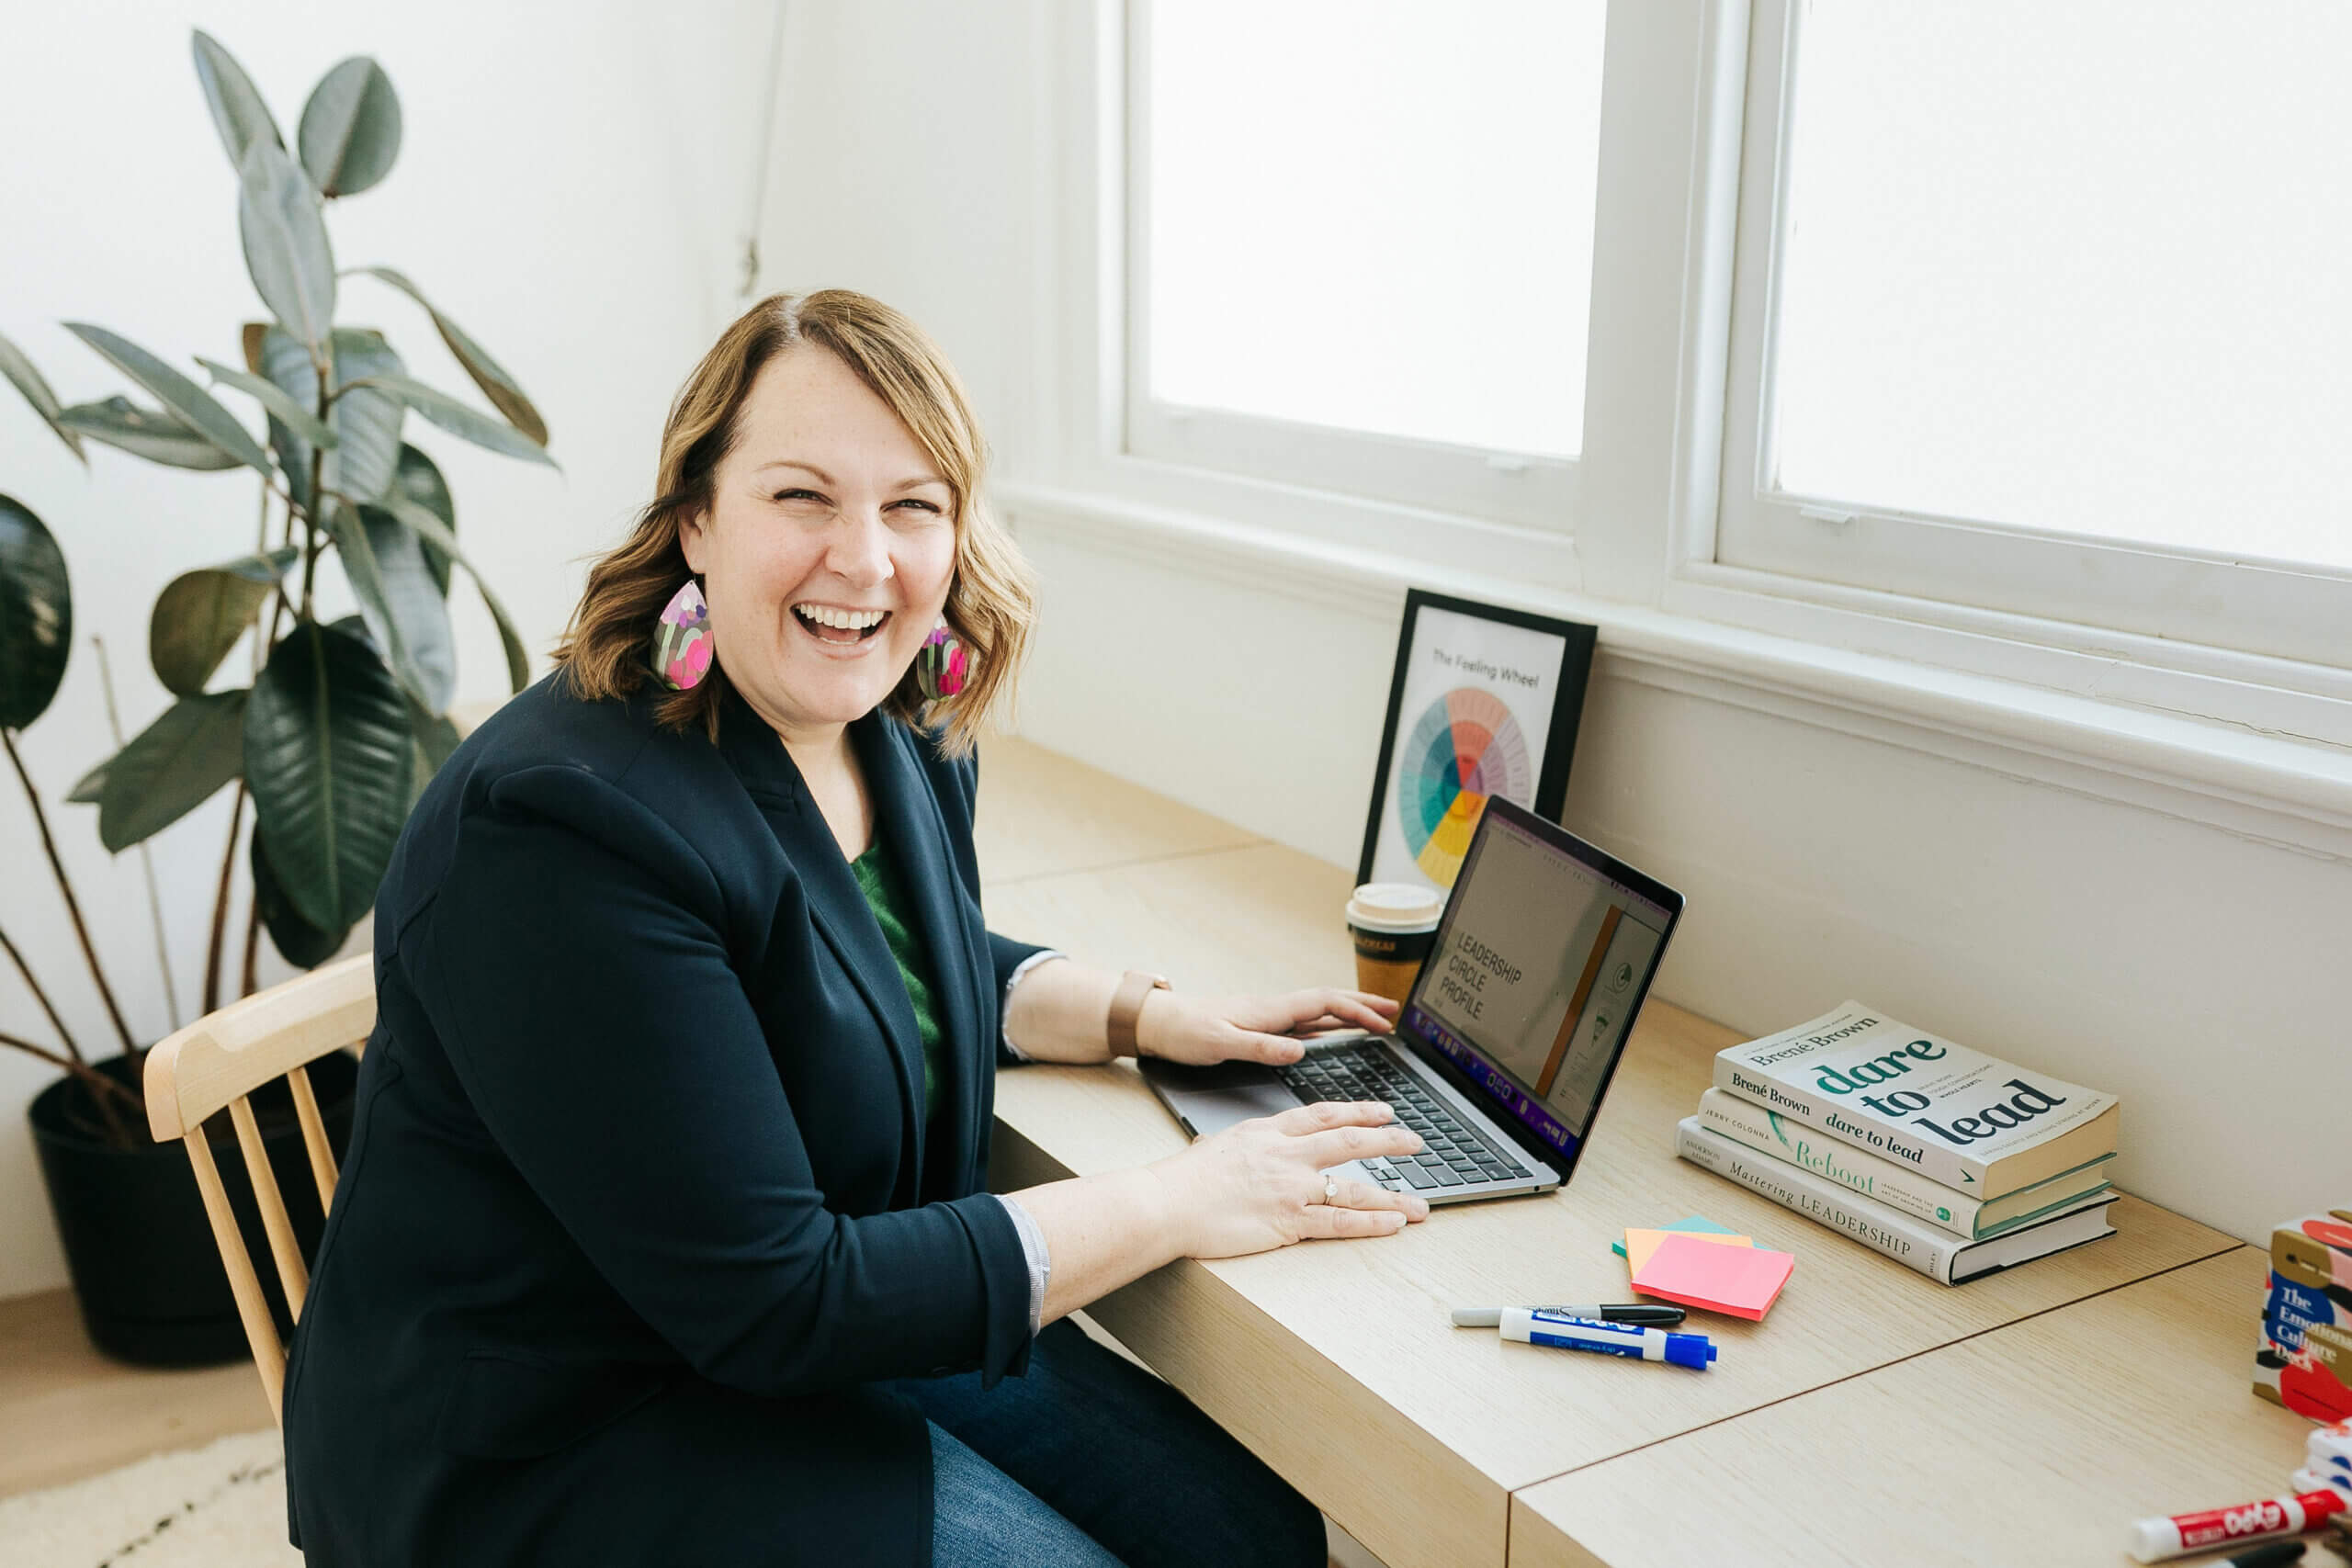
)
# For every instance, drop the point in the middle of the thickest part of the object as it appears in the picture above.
(991, 599)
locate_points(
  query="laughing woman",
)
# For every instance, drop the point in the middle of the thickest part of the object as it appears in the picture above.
(662, 1238)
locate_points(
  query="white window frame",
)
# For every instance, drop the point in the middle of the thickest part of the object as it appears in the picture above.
(1940, 568)
(1466, 507)
(1642, 559)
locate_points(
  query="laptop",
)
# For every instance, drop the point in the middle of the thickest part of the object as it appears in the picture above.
(1541, 962)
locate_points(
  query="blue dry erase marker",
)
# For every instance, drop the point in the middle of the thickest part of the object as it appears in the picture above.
(1534, 1326)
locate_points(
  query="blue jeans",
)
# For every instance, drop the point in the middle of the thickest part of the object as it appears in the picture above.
(1090, 1461)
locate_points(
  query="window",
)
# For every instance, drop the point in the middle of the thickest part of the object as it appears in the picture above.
(1361, 244)
(2042, 309)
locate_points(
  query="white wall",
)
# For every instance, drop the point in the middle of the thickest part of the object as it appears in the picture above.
(569, 188)
(903, 168)
(2200, 975)
(2196, 970)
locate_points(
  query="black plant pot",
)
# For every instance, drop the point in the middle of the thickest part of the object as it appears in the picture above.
(137, 1244)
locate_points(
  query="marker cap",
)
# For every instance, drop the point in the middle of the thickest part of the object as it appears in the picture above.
(2153, 1540)
(1690, 1350)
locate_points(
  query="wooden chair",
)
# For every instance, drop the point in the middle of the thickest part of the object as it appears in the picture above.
(218, 1062)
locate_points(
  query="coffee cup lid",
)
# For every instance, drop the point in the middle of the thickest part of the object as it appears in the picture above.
(1395, 906)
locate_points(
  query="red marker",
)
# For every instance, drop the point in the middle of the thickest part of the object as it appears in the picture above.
(2153, 1540)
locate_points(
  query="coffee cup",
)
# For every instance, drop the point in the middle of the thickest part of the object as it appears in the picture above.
(1393, 924)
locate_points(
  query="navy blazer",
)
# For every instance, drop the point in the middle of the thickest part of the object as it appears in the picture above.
(638, 1205)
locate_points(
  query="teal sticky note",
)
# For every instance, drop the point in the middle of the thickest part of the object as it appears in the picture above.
(1693, 1223)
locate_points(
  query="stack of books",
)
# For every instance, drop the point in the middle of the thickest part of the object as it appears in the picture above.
(1946, 1160)
(2304, 1361)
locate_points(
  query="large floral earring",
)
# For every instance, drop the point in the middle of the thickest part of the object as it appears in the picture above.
(942, 665)
(682, 646)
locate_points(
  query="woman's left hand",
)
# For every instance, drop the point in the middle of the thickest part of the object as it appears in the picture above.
(1201, 1030)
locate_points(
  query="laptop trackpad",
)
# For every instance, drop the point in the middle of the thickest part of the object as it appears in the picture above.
(1211, 1098)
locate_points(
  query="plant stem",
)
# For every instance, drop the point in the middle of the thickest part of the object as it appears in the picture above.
(277, 613)
(42, 997)
(318, 481)
(146, 855)
(220, 903)
(73, 904)
(263, 636)
(249, 981)
(100, 1086)
(313, 546)
(265, 640)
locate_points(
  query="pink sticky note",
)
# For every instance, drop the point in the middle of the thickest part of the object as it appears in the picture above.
(1741, 1280)
(1640, 1243)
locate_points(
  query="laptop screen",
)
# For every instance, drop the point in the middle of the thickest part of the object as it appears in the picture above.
(1544, 952)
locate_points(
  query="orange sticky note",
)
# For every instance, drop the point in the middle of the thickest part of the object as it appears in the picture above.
(1743, 1281)
(1641, 1243)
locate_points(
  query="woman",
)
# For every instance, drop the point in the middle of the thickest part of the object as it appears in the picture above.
(662, 1236)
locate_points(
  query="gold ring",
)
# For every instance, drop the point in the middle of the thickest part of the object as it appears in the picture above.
(1331, 1190)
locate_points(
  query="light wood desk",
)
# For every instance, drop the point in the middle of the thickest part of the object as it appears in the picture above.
(2037, 1443)
(1334, 1361)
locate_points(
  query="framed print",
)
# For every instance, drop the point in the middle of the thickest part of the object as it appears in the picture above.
(1485, 702)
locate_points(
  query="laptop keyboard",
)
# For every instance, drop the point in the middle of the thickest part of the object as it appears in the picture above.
(1455, 1155)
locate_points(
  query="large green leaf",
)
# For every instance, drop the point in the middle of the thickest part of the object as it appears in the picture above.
(496, 385)
(36, 615)
(285, 234)
(458, 420)
(200, 615)
(366, 421)
(405, 614)
(328, 758)
(277, 358)
(418, 604)
(351, 128)
(181, 398)
(238, 112)
(172, 767)
(28, 380)
(145, 432)
(275, 401)
(518, 661)
(418, 479)
(301, 943)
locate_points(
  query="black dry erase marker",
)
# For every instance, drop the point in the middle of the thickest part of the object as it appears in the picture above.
(1641, 1315)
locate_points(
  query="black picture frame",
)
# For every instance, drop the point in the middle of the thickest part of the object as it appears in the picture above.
(1577, 642)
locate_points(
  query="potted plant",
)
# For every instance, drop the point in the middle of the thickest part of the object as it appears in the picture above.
(340, 723)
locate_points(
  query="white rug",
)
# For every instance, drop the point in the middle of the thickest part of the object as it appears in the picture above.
(223, 1506)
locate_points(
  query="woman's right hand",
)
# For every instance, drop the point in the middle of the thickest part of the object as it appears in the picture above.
(1259, 1184)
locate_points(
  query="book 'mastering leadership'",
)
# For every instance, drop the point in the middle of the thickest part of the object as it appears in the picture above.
(1972, 1122)
(1938, 1255)
(1767, 1131)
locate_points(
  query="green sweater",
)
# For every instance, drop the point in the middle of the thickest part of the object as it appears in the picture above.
(886, 892)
